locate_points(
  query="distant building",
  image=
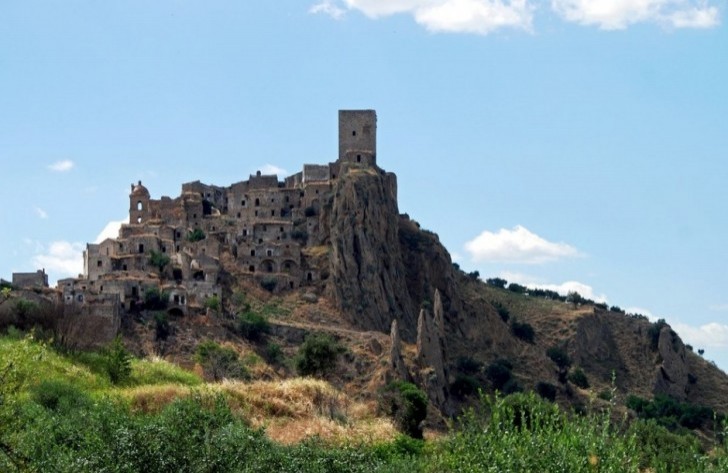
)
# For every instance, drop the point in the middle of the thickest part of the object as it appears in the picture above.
(38, 279)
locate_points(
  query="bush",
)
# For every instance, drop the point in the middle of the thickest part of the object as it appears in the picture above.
(464, 386)
(219, 362)
(499, 373)
(59, 395)
(503, 312)
(517, 288)
(671, 413)
(162, 330)
(496, 282)
(474, 275)
(159, 260)
(546, 390)
(468, 365)
(252, 325)
(155, 299)
(558, 355)
(522, 330)
(117, 361)
(195, 235)
(318, 355)
(407, 405)
(213, 303)
(273, 353)
(578, 378)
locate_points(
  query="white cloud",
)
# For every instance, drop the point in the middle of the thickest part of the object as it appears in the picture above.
(328, 7)
(42, 214)
(270, 169)
(62, 166)
(111, 230)
(564, 288)
(713, 334)
(517, 246)
(476, 16)
(486, 16)
(452, 16)
(62, 258)
(619, 14)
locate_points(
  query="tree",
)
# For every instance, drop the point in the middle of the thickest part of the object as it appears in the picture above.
(219, 362)
(159, 260)
(496, 282)
(407, 404)
(558, 355)
(574, 298)
(117, 361)
(195, 235)
(318, 355)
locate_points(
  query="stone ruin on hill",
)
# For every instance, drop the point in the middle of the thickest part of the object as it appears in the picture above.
(260, 228)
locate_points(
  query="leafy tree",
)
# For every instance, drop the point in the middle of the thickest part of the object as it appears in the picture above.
(252, 325)
(496, 282)
(464, 386)
(155, 299)
(546, 390)
(558, 355)
(575, 298)
(517, 288)
(117, 361)
(578, 378)
(474, 275)
(162, 330)
(499, 373)
(407, 404)
(523, 330)
(219, 362)
(195, 235)
(318, 355)
(701, 352)
(159, 260)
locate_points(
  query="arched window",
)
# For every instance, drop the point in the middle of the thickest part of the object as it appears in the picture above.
(140, 206)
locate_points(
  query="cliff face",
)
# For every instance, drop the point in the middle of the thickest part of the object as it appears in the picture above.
(382, 267)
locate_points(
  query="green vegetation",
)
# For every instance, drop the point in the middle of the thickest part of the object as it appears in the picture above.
(159, 260)
(252, 325)
(155, 299)
(58, 414)
(578, 378)
(220, 362)
(407, 405)
(195, 235)
(672, 414)
(117, 361)
(523, 330)
(318, 355)
(558, 355)
(212, 303)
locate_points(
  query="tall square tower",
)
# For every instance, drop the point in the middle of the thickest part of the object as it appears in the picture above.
(358, 136)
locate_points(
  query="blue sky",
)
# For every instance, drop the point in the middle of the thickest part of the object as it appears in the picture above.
(572, 144)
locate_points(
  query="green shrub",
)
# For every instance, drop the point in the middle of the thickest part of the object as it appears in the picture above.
(464, 386)
(671, 413)
(503, 311)
(318, 355)
(517, 288)
(219, 362)
(499, 373)
(546, 390)
(213, 303)
(468, 365)
(496, 282)
(57, 394)
(662, 450)
(117, 361)
(162, 330)
(195, 235)
(523, 330)
(558, 355)
(159, 260)
(273, 352)
(407, 405)
(578, 378)
(155, 299)
(252, 325)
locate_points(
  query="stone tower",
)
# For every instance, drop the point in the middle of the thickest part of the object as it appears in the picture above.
(138, 204)
(358, 136)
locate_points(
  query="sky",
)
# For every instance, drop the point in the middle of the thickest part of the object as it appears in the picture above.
(568, 144)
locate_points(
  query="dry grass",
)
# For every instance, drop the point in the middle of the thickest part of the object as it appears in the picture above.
(316, 251)
(290, 410)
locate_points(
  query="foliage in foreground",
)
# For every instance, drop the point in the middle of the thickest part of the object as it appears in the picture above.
(57, 416)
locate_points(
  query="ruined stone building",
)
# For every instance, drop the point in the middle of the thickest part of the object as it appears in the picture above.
(260, 228)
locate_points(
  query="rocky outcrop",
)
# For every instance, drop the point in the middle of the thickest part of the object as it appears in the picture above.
(396, 361)
(381, 265)
(430, 354)
(671, 375)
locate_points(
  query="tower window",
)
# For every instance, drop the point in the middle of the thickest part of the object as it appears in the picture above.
(139, 205)
(353, 133)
